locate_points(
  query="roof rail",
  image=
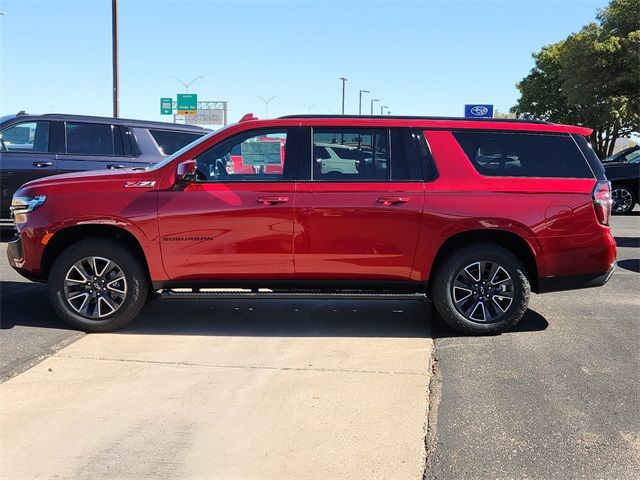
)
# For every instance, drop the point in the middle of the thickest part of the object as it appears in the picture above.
(412, 117)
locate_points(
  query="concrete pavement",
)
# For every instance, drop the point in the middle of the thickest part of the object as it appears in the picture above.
(229, 390)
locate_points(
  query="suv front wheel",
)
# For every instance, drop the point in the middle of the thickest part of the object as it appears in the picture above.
(481, 288)
(97, 285)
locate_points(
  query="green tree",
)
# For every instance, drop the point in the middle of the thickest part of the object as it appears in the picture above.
(591, 78)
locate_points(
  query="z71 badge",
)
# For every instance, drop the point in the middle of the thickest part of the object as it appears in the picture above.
(140, 184)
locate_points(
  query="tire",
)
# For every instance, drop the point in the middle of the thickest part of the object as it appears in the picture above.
(124, 285)
(624, 199)
(462, 268)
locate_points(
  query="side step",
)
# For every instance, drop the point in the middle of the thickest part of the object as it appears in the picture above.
(222, 294)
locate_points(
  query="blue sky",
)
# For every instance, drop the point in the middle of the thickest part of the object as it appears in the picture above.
(418, 57)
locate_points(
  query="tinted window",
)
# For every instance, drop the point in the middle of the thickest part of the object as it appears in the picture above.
(170, 142)
(350, 154)
(524, 155)
(258, 155)
(89, 138)
(26, 137)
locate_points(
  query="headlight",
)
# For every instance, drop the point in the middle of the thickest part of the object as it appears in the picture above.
(23, 205)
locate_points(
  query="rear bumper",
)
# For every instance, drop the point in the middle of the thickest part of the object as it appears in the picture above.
(573, 282)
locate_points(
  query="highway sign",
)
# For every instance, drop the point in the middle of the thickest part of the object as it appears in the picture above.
(166, 106)
(187, 104)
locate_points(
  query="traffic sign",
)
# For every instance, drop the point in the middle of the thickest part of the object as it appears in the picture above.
(166, 106)
(187, 104)
(478, 111)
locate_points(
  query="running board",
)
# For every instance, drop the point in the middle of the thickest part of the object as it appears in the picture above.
(220, 294)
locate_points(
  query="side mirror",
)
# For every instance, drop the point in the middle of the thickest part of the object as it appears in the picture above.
(186, 172)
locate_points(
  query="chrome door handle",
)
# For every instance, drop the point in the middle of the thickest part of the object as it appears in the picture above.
(392, 200)
(113, 166)
(42, 164)
(273, 200)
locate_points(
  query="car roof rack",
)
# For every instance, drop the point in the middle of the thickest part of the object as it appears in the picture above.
(411, 117)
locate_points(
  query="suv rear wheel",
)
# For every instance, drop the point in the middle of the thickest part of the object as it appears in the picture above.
(97, 285)
(481, 288)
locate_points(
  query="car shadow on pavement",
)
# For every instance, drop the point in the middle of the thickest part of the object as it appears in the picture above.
(632, 264)
(27, 304)
(532, 321)
(632, 242)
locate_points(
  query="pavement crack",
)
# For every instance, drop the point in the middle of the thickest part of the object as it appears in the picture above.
(246, 367)
(435, 391)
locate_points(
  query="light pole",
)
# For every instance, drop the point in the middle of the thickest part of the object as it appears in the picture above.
(186, 85)
(360, 101)
(309, 107)
(344, 82)
(373, 100)
(266, 105)
(114, 58)
(382, 109)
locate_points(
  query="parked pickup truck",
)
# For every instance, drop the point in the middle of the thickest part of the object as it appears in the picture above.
(474, 214)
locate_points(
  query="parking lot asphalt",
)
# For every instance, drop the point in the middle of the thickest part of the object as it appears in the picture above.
(558, 398)
(308, 389)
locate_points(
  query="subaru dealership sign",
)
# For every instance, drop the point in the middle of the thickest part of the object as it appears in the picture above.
(478, 111)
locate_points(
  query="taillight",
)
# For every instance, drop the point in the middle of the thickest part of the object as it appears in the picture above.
(602, 201)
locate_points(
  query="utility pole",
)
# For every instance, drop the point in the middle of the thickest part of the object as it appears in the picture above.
(373, 100)
(116, 67)
(360, 101)
(344, 82)
(382, 109)
(266, 105)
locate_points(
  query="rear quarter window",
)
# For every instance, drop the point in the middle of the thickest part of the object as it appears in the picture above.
(500, 154)
(170, 142)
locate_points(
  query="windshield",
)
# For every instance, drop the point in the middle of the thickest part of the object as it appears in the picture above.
(176, 154)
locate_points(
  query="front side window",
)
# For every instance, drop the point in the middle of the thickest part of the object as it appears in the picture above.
(31, 137)
(255, 156)
(90, 138)
(170, 142)
(348, 154)
(524, 154)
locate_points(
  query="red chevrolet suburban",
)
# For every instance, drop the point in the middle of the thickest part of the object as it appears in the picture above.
(474, 214)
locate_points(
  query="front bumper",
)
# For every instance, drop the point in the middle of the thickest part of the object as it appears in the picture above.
(574, 282)
(16, 258)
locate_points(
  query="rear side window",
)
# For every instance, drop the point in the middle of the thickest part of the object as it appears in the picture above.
(170, 142)
(347, 154)
(90, 139)
(524, 154)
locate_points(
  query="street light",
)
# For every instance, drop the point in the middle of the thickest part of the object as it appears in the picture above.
(382, 109)
(344, 82)
(186, 85)
(309, 107)
(373, 100)
(360, 101)
(266, 105)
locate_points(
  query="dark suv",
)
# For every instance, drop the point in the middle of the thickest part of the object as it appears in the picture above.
(474, 214)
(34, 146)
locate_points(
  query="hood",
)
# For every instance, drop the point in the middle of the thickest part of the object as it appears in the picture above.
(92, 179)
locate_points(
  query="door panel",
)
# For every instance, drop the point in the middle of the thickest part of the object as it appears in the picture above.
(228, 230)
(357, 230)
